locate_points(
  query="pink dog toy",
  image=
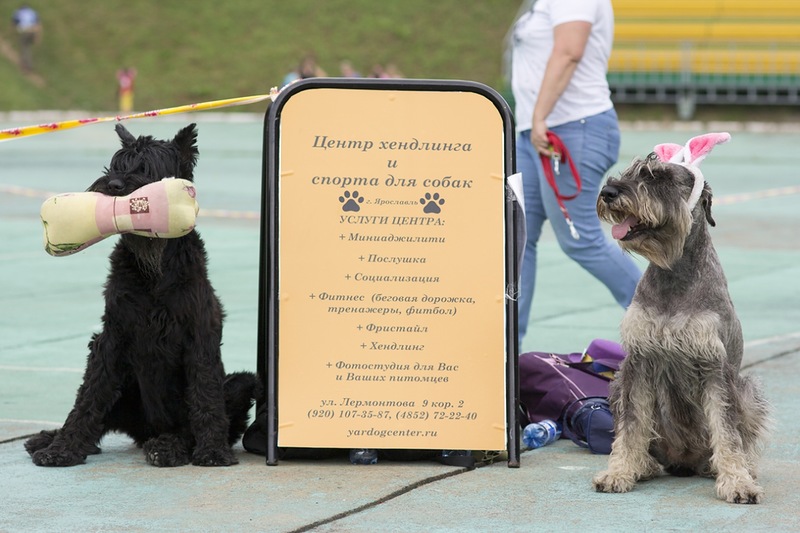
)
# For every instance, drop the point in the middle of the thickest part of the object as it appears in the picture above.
(74, 221)
(690, 156)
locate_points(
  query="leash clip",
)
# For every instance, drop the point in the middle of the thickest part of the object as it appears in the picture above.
(555, 157)
(572, 230)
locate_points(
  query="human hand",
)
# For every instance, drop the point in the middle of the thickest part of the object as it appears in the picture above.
(539, 137)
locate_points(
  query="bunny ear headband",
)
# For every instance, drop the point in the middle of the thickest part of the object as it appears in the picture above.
(690, 155)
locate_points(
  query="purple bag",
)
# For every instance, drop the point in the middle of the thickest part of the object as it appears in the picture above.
(549, 382)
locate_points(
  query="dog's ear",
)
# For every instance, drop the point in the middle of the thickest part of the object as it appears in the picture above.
(697, 148)
(186, 142)
(705, 197)
(125, 136)
(665, 152)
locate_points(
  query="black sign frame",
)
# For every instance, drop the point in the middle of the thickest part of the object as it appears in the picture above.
(268, 319)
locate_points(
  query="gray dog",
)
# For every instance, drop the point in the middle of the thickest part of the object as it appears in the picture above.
(679, 402)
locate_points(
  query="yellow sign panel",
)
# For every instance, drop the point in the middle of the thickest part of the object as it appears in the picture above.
(391, 270)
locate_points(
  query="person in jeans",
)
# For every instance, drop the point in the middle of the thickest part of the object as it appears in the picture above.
(560, 51)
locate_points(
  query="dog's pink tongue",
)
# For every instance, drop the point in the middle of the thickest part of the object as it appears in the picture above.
(618, 231)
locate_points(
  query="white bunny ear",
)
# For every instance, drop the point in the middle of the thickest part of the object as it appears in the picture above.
(667, 151)
(690, 156)
(698, 147)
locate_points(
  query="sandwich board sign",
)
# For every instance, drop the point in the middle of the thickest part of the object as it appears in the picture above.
(388, 249)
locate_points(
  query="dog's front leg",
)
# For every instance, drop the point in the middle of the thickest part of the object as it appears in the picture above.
(84, 425)
(734, 482)
(630, 461)
(207, 418)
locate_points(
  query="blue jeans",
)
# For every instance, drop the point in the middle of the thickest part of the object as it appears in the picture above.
(593, 143)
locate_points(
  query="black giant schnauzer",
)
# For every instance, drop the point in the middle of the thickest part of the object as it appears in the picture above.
(155, 372)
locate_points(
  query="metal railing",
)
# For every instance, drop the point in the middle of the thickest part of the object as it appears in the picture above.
(691, 73)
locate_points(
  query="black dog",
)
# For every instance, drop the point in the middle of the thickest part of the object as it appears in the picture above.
(155, 370)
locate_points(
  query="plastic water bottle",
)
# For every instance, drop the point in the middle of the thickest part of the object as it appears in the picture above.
(540, 434)
(363, 456)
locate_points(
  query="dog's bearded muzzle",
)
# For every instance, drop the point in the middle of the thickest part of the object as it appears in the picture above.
(615, 207)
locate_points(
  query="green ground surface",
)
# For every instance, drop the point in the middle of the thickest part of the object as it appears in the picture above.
(50, 306)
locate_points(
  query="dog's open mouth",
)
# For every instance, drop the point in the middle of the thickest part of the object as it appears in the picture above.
(627, 229)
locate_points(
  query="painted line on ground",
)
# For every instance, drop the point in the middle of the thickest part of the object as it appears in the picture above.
(41, 369)
(26, 191)
(770, 340)
(224, 213)
(23, 421)
(756, 195)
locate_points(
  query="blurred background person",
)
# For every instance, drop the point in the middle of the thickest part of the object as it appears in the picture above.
(125, 79)
(378, 71)
(29, 29)
(347, 70)
(393, 71)
(309, 68)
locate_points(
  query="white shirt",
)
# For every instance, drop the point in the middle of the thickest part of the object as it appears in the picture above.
(587, 93)
(25, 19)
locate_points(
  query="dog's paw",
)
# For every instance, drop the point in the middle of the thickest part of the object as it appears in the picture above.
(166, 458)
(57, 456)
(613, 482)
(214, 457)
(165, 451)
(742, 492)
(41, 440)
(45, 439)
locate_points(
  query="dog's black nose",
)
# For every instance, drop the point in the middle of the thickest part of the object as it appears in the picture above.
(609, 192)
(116, 185)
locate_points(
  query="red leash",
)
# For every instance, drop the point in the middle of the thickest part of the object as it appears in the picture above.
(559, 154)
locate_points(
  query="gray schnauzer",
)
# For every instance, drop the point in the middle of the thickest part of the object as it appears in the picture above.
(679, 402)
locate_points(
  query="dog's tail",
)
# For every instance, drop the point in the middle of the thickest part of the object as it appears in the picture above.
(241, 390)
